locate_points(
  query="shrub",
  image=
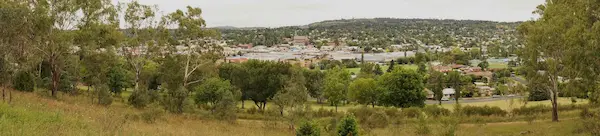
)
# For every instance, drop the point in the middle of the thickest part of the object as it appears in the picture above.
(139, 98)
(377, 120)
(152, 114)
(531, 110)
(324, 113)
(392, 112)
(103, 95)
(176, 100)
(308, 129)
(362, 113)
(482, 111)
(348, 126)
(412, 112)
(436, 111)
(252, 110)
(591, 122)
(24, 82)
(225, 109)
(538, 95)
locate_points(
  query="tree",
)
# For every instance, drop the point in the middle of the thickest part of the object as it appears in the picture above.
(213, 91)
(565, 34)
(377, 70)
(117, 80)
(192, 34)
(457, 81)
(348, 126)
(364, 91)
(403, 88)
(336, 86)
(435, 83)
(145, 38)
(483, 65)
(367, 70)
(314, 83)
(54, 22)
(391, 68)
(294, 93)
(422, 68)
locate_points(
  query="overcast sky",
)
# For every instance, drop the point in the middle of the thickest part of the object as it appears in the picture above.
(275, 13)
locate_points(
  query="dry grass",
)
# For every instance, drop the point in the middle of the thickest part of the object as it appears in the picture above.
(32, 114)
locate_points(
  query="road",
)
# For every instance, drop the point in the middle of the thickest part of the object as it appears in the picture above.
(473, 100)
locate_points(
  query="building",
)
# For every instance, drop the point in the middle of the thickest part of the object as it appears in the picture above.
(301, 40)
(449, 92)
(237, 59)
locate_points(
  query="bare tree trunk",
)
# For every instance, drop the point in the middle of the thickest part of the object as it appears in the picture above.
(3, 93)
(55, 77)
(554, 108)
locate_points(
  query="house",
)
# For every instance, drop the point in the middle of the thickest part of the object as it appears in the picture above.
(327, 48)
(441, 68)
(236, 59)
(245, 46)
(301, 40)
(449, 92)
(430, 94)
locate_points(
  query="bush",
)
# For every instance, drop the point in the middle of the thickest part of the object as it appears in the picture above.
(436, 111)
(531, 110)
(412, 112)
(24, 82)
(176, 100)
(103, 95)
(362, 113)
(590, 121)
(252, 110)
(308, 129)
(482, 111)
(538, 95)
(377, 120)
(152, 114)
(225, 109)
(139, 98)
(324, 113)
(348, 126)
(449, 125)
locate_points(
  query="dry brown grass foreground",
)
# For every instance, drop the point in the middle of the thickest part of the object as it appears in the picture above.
(32, 114)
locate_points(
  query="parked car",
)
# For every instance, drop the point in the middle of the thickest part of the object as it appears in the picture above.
(511, 95)
(496, 96)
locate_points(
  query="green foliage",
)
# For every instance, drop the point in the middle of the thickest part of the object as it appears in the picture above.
(537, 94)
(103, 95)
(141, 98)
(391, 68)
(435, 83)
(175, 100)
(531, 110)
(226, 108)
(364, 91)
(482, 111)
(308, 129)
(336, 86)
(484, 65)
(151, 115)
(24, 82)
(212, 91)
(314, 82)
(403, 88)
(347, 126)
(117, 79)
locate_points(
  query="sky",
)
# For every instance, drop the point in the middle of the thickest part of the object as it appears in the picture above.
(276, 13)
